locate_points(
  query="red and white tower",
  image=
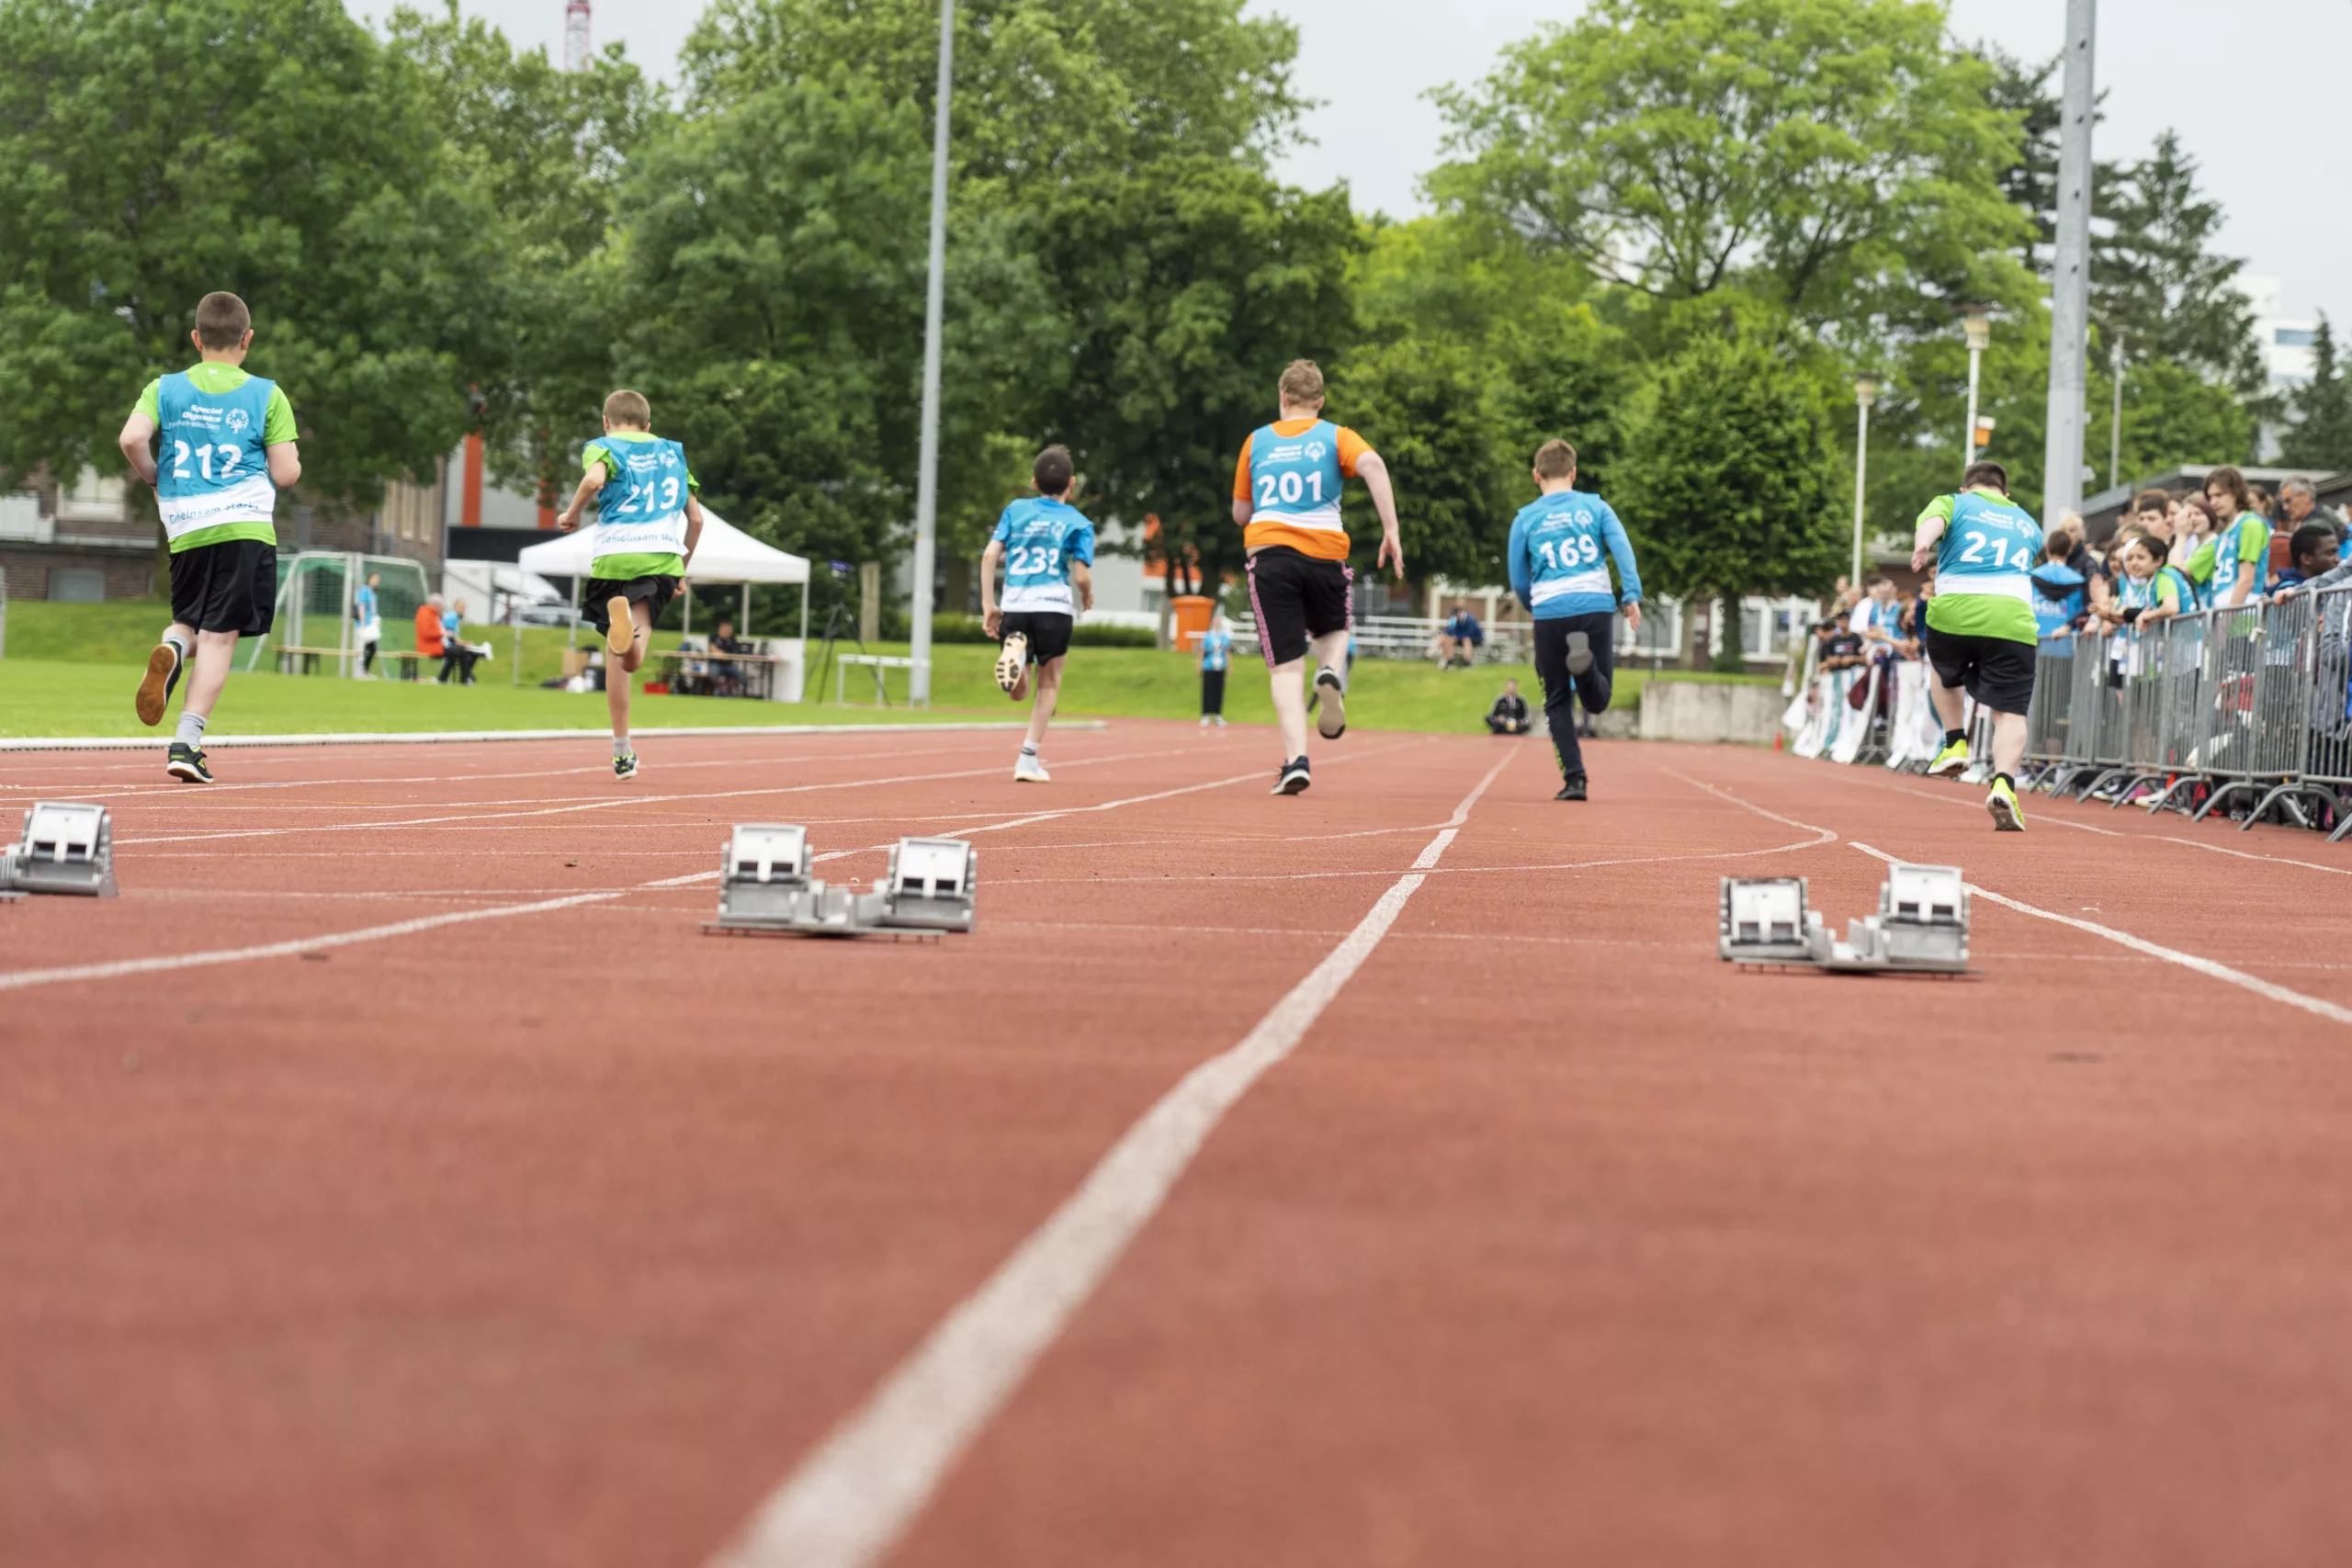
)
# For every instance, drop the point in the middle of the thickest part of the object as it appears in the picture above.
(575, 35)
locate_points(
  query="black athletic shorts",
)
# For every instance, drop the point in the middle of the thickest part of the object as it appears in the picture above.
(1996, 671)
(1047, 631)
(1296, 596)
(228, 586)
(658, 590)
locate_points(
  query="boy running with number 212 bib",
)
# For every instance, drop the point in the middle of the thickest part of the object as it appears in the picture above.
(228, 448)
(648, 524)
(1286, 498)
(1046, 547)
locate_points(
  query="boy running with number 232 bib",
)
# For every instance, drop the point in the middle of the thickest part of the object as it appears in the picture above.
(1046, 547)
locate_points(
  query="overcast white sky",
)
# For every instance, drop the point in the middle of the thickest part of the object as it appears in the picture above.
(2270, 129)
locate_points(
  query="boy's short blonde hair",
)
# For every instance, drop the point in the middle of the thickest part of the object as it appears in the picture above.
(1302, 382)
(221, 319)
(626, 407)
(1555, 459)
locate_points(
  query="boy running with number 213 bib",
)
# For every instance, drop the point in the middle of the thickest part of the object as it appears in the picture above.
(1046, 547)
(228, 448)
(1286, 498)
(1981, 630)
(1561, 547)
(648, 524)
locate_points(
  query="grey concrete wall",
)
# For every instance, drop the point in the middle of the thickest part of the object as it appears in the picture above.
(1711, 711)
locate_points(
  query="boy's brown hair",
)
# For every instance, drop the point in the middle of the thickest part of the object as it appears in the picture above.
(1555, 459)
(2152, 500)
(1302, 382)
(221, 319)
(1052, 471)
(1986, 473)
(629, 408)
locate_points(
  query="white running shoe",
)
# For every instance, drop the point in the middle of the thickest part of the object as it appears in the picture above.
(1331, 709)
(1027, 768)
(1013, 664)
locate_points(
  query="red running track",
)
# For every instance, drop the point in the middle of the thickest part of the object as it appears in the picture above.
(560, 1232)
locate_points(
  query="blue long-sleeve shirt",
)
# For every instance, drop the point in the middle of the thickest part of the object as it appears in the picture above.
(1556, 545)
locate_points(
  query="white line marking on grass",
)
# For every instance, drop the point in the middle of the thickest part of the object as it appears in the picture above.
(2205, 966)
(861, 1489)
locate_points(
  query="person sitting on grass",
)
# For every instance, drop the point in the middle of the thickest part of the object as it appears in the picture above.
(1509, 715)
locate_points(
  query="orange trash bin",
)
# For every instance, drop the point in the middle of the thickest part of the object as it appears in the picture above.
(1192, 613)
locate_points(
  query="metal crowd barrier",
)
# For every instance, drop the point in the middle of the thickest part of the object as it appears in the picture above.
(2219, 710)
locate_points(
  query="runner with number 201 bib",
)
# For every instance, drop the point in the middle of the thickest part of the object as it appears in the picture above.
(1286, 498)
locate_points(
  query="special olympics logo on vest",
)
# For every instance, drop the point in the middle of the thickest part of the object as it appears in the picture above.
(238, 420)
(1314, 450)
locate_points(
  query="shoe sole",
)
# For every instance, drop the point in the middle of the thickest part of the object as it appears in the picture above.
(185, 775)
(621, 627)
(1951, 770)
(154, 687)
(1292, 786)
(1331, 716)
(1579, 653)
(1012, 663)
(2005, 818)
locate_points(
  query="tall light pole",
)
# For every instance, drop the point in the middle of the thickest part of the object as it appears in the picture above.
(2070, 282)
(1865, 394)
(934, 313)
(2115, 420)
(1978, 325)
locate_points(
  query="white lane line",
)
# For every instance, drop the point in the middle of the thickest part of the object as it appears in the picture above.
(861, 1489)
(23, 978)
(472, 737)
(2205, 966)
(2248, 854)
(601, 805)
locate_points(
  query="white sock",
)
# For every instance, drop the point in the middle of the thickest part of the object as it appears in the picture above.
(621, 748)
(191, 728)
(171, 640)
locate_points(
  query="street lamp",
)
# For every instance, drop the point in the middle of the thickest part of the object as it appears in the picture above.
(1865, 394)
(1977, 322)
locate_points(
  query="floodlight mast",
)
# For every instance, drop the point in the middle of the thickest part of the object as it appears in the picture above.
(576, 46)
(2070, 281)
(934, 312)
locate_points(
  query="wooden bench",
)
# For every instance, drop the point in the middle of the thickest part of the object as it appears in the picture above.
(293, 658)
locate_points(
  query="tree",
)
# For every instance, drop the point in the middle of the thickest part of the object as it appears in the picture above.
(1427, 409)
(2157, 279)
(1730, 480)
(2172, 415)
(546, 151)
(1820, 153)
(2321, 436)
(151, 153)
(1185, 286)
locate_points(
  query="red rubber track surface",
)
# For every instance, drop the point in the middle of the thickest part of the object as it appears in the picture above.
(563, 1235)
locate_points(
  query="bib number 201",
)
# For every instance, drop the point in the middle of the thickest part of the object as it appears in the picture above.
(1288, 488)
(201, 454)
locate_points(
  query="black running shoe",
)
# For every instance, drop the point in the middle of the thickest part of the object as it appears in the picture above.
(1331, 712)
(1573, 789)
(1579, 653)
(185, 763)
(1292, 778)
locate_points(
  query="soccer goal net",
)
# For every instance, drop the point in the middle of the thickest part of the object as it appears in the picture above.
(318, 604)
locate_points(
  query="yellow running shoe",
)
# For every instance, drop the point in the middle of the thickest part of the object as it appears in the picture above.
(1951, 761)
(2009, 817)
(621, 627)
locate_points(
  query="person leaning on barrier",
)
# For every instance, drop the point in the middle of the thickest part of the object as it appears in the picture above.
(2313, 550)
(2334, 574)
(2149, 591)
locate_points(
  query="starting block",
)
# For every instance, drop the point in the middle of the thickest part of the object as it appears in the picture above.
(1921, 926)
(764, 885)
(68, 847)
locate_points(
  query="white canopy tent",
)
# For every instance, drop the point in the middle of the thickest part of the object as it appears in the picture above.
(724, 554)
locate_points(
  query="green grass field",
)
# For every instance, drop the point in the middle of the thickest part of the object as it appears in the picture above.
(71, 669)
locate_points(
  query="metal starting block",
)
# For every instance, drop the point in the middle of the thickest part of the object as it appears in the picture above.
(764, 885)
(68, 847)
(1921, 926)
